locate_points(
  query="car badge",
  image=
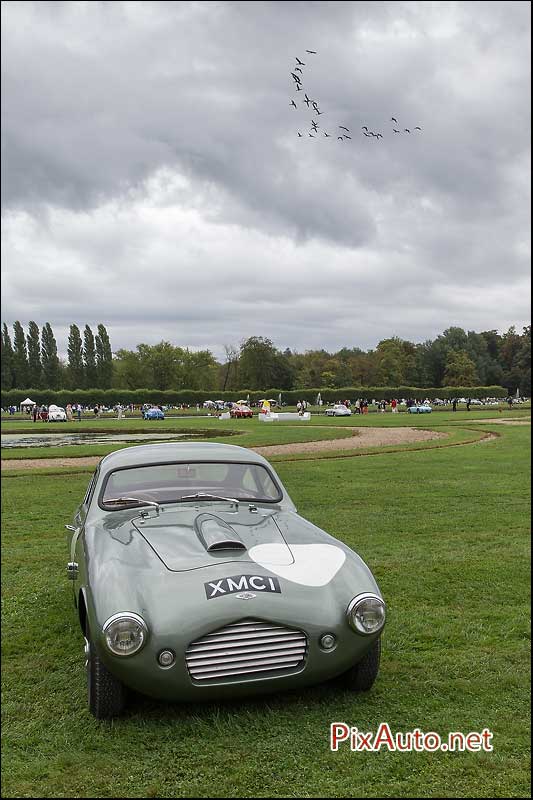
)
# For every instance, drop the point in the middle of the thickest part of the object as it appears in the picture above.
(246, 596)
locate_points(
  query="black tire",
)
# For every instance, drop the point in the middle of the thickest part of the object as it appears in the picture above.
(361, 677)
(106, 694)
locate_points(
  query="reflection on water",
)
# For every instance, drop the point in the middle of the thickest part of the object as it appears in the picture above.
(62, 439)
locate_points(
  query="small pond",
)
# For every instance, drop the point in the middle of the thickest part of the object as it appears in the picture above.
(61, 439)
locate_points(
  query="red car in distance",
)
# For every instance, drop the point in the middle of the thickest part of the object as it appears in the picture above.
(239, 411)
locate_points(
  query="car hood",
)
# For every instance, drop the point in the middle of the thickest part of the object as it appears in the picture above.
(186, 539)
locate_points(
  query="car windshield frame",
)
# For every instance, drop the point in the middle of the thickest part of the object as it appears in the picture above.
(176, 500)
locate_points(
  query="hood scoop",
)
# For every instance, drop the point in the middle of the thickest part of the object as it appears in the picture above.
(215, 534)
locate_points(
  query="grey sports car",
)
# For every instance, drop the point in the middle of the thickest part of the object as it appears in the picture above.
(195, 579)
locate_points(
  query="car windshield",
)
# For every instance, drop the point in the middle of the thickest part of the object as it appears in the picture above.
(185, 482)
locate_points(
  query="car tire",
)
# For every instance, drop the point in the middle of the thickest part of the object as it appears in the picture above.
(361, 677)
(106, 693)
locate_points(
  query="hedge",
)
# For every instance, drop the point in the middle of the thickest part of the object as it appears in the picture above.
(110, 397)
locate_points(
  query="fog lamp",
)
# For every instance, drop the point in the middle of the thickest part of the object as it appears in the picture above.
(166, 658)
(327, 641)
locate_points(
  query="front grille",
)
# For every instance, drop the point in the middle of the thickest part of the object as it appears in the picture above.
(246, 648)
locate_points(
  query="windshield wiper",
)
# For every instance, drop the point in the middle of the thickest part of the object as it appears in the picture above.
(132, 500)
(204, 496)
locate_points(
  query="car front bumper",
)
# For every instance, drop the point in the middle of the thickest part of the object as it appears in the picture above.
(143, 673)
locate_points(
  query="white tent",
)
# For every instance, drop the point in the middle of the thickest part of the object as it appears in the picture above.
(28, 402)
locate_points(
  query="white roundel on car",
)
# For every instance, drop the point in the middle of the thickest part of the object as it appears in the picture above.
(313, 565)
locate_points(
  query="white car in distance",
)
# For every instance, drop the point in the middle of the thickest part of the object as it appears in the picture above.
(339, 410)
(56, 414)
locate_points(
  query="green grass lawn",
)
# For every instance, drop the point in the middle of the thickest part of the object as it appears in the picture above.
(446, 533)
(246, 433)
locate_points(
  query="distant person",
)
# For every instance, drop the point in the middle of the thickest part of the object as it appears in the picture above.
(510, 401)
(468, 403)
(454, 404)
(394, 405)
(78, 412)
(68, 412)
(34, 413)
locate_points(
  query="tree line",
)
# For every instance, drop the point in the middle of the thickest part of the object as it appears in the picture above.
(31, 360)
(455, 358)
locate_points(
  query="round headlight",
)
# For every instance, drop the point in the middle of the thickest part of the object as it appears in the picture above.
(125, 634)
(366, 613)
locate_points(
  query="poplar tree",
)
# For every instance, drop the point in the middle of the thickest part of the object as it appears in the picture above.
(20, 358)
(75, 358)
(104, 358)
(7, 359)
(49, 357)
(34, 356)
(89, 358)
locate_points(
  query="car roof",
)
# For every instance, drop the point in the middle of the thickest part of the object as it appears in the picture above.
(145, 454)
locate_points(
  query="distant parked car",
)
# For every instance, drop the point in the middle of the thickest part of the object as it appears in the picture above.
(241, 411)
(419, 409)
(339, 410)
(153, 413)
(56, 414)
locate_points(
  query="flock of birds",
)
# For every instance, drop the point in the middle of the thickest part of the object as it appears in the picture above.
(298, 85)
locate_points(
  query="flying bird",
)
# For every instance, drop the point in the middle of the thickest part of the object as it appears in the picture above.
(298, 87)
(311, 51)
(312, 135)
(293, 103)
(313, 123)
(417, 128)
(296, 77)
(297, 69)
(315, 105)
(395, 131)
(366, 134)
(393, 119)
(307, 100)
(299, 134)
(344, 129)
(379, 135)
(340, 137)
(300, 63)
(327, 134)
(347, 137)
(407, 130)
(364, 128)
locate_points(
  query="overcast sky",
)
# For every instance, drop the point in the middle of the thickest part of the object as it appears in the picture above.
(153, 178)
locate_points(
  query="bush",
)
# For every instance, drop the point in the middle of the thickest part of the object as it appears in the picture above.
(171, 397)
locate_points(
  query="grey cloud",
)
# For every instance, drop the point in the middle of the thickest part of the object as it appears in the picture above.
(99, 99)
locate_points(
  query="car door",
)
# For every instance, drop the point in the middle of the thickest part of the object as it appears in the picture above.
(75, 567)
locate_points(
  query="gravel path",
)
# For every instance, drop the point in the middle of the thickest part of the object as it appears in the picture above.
(361, 437)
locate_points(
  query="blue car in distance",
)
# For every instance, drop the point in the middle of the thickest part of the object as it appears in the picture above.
(153, 413)
(419, 409)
